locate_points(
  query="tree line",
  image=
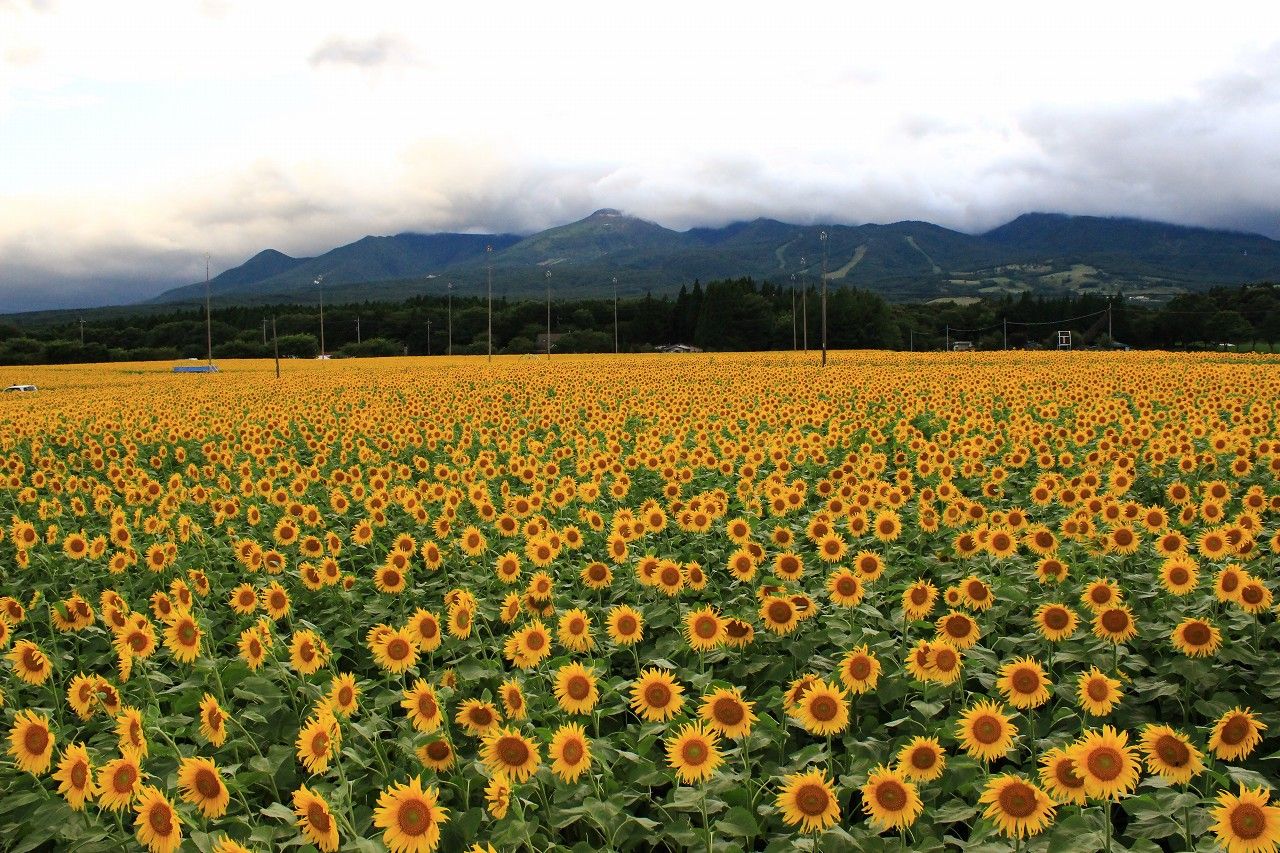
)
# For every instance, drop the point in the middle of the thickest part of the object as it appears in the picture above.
(737, 314)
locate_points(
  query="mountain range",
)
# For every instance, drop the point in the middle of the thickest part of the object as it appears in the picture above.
(1042, 252)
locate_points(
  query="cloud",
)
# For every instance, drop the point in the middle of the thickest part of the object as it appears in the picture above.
(374, 52)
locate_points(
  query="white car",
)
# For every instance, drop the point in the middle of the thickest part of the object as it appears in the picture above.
(20, 388)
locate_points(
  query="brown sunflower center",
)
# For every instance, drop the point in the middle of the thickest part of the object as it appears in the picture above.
(160, 818)
(1025, 680)
(919, 595)
(1105, 763)
(481, 716)
(1056, 618)
(859, 668)
(1252, 593)
(891, 795)
(427, 705)
(779, 612)
(398, 649)
(1172, 751)
(812, 799)
(824, 708)
(657, 695)
(1115, 620)
(1235, 730)
(987, 729)
(79, 774)
(123, 778)
(35, 740)
(1178, 576)
(1196, 634)
(512, 751)
(578, 687)
(318, 817)
(923, 757)
(1230, 582)
(706, 627)
(208, 784)
(846, 586)
(1248, 822)
(1018, 800)
(728, 711)
(535, 641)
(1065, 772)
(414, 817)
(957, 626)
(572, 751)
(626, 625)
(694, 752)
(1097, 690)
(437, 750)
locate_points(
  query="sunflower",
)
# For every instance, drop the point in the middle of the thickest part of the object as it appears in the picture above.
(574, 631)
(943, 663)
(29, 663)
(158, 826)
(958, 629)
(82, 693)
(922, 760)
(307, 652)
(460, 620)
(437, 754)
(344, 693)
(570, 752)
(423, 707)
(316, 742)
(823, 709)
(779, 615)
(1058, 775)
(845, 588)
(1179, 575)
(727, 712)
(513, 701)
(976, 593)
(1097, 693)
(1235, 734)
(424, 627)
(868, 565)
(625, 625)
(251, 648)
(1023, 683)
(510, 753)
(738, 634)
(75, 776)
(202, 786)
(1115, 624)
(692, 753)
(1017, 807)
(704, 629)
(1002, 543)
(890, 800)
(985, 732)
(1051, 569)
(478, 717)
(532, 645)
(809, 800)
(31, 742)
(507, 567)
(118, 782)
(887, 526)
(410, 817)
(497, 796)
(1055, 621)
(316, 821)
(1227, 583)
(1099, 594)
(395, 651)
(918, 599)
(1244, 823)
(1254, 597)
(276, 600)
(1169, 754)
(575, 689)
(1108, 767)
(1196, 638)
(596, 575)
(860, 670)
(656, 695)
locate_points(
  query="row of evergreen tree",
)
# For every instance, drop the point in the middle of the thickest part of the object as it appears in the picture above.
(738, 314)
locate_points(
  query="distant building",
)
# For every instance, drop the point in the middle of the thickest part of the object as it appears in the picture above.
(677, 348)
(541, 343)
(961, 346)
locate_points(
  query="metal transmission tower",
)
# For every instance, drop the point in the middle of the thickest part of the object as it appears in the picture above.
(488, 251)
(615, 315)
(449, 338)
(319, 282)
(804, 307)
(547, 276)
(208, 318)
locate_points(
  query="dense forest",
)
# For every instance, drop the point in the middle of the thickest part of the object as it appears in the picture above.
(740, 314)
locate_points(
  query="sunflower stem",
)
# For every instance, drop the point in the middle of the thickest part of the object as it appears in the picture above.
(705, 823)
(1106, 823)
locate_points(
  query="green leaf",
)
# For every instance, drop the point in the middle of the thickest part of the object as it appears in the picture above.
(738, 822)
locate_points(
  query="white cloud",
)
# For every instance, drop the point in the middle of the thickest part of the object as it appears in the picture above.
(134, 136)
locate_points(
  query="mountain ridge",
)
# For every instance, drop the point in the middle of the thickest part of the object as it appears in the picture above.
(1037, 252)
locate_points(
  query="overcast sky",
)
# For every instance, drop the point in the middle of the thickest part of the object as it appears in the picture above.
(135, 136)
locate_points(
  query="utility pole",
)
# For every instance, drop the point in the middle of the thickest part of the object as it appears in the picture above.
(615, 315)
(547, 276)
(911, 339)
(823, 237)
(794, 347)
(1005, 322)
(81, 333)
(428, 336)
(489, 263)
(449, 339)
(1110, 339)
(276, 342)
(357, 328)
(264, 331)
(804, 306)
(208, 318)
(319, 282)
(948, 349)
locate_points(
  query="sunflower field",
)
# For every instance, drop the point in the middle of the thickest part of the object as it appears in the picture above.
(973, 602)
